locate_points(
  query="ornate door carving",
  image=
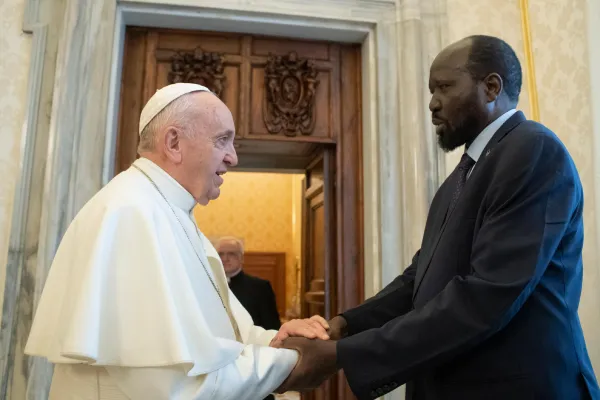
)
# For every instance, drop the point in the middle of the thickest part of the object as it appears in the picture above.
(289, 103)
(201, 67)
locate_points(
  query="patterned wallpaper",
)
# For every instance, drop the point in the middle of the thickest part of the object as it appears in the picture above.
(560, 47)
(257, 208)
(14, 61)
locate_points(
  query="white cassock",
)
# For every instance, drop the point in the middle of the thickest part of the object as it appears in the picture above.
(129, 312)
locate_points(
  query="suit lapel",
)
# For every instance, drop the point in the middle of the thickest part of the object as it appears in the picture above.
(442, 214)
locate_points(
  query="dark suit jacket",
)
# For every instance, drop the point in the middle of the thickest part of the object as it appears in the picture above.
(488, 307)
(258, 298)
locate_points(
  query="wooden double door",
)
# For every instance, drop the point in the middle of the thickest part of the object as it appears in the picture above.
(296, 106)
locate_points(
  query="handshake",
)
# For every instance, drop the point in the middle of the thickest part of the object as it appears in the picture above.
(315, 341)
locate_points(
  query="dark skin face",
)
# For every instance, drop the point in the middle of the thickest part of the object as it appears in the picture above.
(461, 107)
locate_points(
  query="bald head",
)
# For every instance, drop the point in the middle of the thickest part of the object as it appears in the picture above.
(191, 139)
(455, 55)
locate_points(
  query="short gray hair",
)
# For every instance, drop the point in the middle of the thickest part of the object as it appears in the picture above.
(239, 242)
(176, 113)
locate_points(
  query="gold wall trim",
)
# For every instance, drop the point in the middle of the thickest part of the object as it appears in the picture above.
(530, 65)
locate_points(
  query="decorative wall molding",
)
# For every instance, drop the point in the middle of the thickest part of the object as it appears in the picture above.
(18, 250)
(290, 90)
(200, 67)
(30, 15)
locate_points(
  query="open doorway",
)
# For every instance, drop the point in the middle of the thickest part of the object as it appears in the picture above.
(264, 211)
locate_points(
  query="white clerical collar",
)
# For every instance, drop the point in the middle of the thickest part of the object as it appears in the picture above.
(236, 273)
(173, 191)
(476, 148)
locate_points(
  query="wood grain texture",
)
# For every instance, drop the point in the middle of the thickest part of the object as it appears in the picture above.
(320, 250)
(350, 272)
(132, 98)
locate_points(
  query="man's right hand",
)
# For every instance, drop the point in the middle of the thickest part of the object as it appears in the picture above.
(338, 328)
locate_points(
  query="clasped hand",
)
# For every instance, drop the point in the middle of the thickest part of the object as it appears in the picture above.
(317, 354)
(311, 328)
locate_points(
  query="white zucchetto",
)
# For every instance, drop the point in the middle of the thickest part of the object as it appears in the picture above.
(165, 96)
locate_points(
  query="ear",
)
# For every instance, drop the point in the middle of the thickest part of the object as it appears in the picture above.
(493, 86)
(172, 142)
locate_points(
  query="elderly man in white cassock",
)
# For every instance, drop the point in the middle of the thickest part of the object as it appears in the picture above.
(136, 304)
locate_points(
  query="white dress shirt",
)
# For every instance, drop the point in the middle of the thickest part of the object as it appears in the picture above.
(481, 141)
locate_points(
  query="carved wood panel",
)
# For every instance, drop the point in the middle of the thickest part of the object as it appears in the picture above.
(278, 90)
(295, 90)
(290, 90)
(200, 67)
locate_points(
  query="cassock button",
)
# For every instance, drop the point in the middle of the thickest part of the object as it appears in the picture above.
(380, 392)
(393, 385)
(374, 394)
(386, 388)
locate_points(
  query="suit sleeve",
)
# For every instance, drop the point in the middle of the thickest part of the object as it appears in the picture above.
(534, 194)
(256, 373)
(393, 301)
(268, 309)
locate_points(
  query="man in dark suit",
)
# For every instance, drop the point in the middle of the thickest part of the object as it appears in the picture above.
(488, 307)
(255, 294)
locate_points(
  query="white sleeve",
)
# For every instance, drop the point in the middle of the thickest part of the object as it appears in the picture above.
(260, 336)
(257, 372)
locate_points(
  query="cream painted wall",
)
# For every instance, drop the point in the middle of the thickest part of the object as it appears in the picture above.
(563, 86)
(14, 67)
(562, 70)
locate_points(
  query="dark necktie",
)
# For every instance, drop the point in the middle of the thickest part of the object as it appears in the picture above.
(460, 177)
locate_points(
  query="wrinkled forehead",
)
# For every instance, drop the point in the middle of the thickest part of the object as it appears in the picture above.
(209, 108)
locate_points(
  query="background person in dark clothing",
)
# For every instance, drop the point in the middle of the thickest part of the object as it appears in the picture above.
(255, 294)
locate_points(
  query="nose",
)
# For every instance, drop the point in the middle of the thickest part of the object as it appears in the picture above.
(231, 158)
(434, 104)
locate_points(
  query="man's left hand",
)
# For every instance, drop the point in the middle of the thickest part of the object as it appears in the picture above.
(317, 362)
